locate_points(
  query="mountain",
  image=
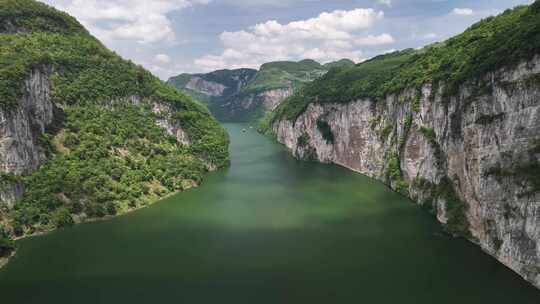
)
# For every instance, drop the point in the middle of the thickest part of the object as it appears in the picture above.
(84, 133)
(455, 126)
(246, 94)
(222, 83)
(339, 64)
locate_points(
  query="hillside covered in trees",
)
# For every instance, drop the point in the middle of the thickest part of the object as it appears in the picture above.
(87, 134)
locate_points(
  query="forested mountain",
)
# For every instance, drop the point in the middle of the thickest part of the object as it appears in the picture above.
(84, 133)
(455, 126)
(246, 94)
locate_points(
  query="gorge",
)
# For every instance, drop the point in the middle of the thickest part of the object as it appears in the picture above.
(414, 175)
(247, 94)
(268, 229)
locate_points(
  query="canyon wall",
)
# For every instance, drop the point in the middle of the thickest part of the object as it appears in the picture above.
(472, 159)
(23, 125)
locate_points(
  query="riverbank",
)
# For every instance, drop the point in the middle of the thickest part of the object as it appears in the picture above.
(268, 229)
(4, 261)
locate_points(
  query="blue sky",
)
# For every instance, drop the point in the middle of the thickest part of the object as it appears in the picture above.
(175, 36)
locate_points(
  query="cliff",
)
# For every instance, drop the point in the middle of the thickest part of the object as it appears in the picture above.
(468, 151)
(246, 94)
(85, 134)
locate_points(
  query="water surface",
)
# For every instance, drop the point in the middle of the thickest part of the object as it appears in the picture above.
(269, 229)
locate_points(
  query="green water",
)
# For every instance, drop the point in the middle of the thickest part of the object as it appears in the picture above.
(269, 229)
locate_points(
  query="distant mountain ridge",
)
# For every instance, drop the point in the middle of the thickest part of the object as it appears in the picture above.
(246, 94)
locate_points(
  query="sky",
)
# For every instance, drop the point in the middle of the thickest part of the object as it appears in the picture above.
(170, 37)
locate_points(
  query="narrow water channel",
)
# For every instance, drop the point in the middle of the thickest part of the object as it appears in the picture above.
(269, 229)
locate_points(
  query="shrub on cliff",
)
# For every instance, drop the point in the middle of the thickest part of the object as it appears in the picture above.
(6, 245)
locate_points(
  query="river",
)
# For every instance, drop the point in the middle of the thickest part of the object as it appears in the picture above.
(269, 229)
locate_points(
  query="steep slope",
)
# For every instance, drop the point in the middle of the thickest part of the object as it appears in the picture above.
(219, 84)
(85, 134)
(245, 94)
(455, 126)
(339, 64)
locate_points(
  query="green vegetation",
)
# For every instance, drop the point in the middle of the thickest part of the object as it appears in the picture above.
(106, 156)
(487, 46)
(406, 130)
(247, 84)
(456, 210)
(416, 102)
(284, 74)
(428, 133)
(303, 140)
(8, 180)
(264, 126)
(113, 160)
(386, 131)
(431, 136)
(393, 174)
(309, 152)
(29, 15)
(233, 80)
(339, 64)
(6, 245)
(326, 131)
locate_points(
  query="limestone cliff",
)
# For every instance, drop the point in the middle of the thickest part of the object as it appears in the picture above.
(246, 94)
(20, 127)
(20, 130)
(249, 106)
(85, 134)
(472, 158)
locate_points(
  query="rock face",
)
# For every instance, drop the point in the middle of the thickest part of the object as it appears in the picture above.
(205, 87)
(20, 130)
(271, 99)
(472, 159)
(249, 106)
(246, 94)
(171, 126)
(21, 126)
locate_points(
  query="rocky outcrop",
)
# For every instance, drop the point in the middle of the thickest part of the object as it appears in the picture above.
(249, 106)
(205, 87)
(246, 94)
(171, 126)
(21, 126)
(9, 194)
(271, 99)
(20, 131)
(473, 159)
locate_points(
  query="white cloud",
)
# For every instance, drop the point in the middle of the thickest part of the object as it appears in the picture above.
(140, 20)
(385, 2)
(162, 59)
(462, 11)
(327, 37)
